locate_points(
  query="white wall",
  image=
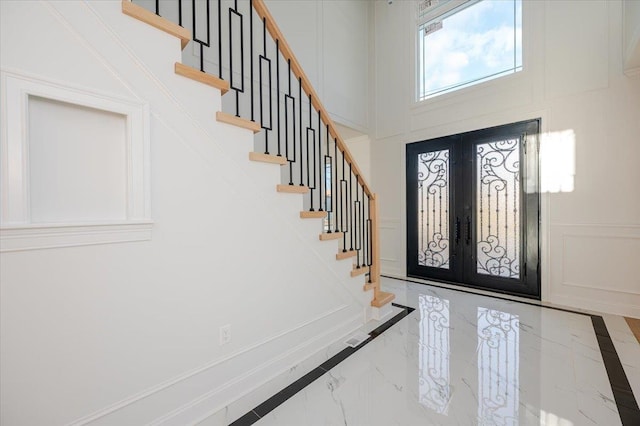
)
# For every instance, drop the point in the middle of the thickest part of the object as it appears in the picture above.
(77, 163)
(573, 80)
(331, 40)
(119, 334)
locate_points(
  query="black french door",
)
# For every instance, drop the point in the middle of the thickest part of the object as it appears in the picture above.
(473, 209)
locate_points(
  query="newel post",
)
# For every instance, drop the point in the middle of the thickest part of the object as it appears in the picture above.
(375, 246)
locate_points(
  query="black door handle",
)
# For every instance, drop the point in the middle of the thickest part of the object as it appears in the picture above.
(457, 230)
(468, 230)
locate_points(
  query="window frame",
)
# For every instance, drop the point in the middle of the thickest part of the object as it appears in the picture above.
(508, 80)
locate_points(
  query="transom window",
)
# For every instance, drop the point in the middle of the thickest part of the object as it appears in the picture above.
(465, 42)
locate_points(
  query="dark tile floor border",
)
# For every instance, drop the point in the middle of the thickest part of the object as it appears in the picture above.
(279, 398)
(622, 392)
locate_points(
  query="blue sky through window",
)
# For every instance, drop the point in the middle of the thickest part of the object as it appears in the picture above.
(479, 43)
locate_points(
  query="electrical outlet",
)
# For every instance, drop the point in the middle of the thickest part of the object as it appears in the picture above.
(225, 334)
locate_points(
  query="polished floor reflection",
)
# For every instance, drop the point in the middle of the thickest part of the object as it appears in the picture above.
(464, 359)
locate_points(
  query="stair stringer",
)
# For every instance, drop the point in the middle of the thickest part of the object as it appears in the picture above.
(237, 142)
(234, 142)
(219, 374)
(230, 141)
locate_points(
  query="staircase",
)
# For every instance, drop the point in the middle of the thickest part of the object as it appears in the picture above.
(267, 92)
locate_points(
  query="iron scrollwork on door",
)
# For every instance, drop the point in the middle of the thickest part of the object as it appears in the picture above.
(433, 209)
(498, 201)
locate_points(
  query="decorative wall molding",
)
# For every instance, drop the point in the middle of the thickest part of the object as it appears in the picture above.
(599, 240)
(595, 266)
(34, 237)
(388, 227)
(19, 231)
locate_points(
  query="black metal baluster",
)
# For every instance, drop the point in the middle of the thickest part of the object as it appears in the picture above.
(328, 197)
(343, 206)
(266, 62)
(220, 38)
(363, 231)
(208, 43)
(320, 168)
(300, 114)
(357, 224)
(237, 89)
(180, 12)
(350, 207)
(361, 225)
(335, 196)
(251, 62)
(286, 123)
(195, 29)
(196, 38)
(328, 174)
(307, 163)
(158, 7)
(311, 138)
(278, 91)
(370, 232)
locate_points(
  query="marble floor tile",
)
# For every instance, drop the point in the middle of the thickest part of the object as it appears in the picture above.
(466, 359)
(628, 349)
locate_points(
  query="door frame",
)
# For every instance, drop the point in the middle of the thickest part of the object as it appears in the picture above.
(531, 207)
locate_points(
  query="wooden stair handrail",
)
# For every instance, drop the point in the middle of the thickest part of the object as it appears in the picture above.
(287, 53)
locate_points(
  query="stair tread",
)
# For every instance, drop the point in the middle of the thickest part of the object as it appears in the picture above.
(368, 286)
(359, 271)
(326, 236)
(292, 189)
(150, 18)
(313, 215)
(201, 77)
(224, 117)
(267, 158)
(345, 254)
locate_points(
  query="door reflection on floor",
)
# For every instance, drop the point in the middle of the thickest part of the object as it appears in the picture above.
(434, 351)
(498, 367)
(491, 374)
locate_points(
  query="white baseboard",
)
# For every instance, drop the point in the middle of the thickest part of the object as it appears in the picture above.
(210, 388)
(231, 401)
(596, 306)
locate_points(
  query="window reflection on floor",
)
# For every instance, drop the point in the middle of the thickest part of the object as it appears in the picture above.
(434, 386)
(498, 367)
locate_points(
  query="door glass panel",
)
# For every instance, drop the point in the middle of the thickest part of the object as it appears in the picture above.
(433, 209)
(498, 208)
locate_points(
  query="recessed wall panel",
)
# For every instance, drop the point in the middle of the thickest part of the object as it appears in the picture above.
(77, 163)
